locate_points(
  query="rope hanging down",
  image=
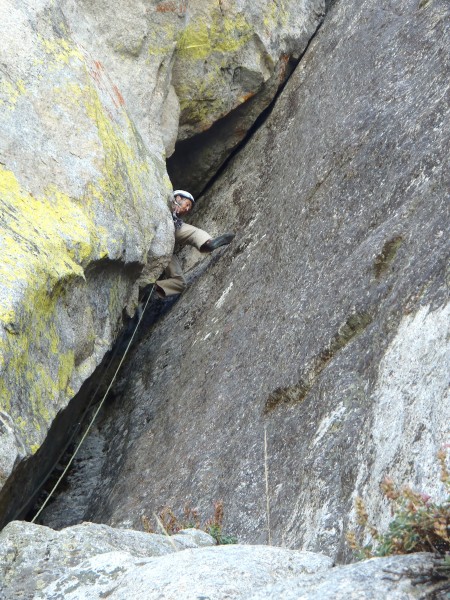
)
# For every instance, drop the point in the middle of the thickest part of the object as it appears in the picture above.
(60, 478)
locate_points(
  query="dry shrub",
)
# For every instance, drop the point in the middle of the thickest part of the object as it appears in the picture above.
(418, 524)
(170, 523)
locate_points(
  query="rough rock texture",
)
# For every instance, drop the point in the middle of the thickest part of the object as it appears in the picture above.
(325, 321)
(219, 573)
(192, 63)
(95, 561)
(83, 209)
(395, 577)
(92, 95)
(32, 556)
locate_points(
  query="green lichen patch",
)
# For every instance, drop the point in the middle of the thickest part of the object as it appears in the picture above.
(387, 255)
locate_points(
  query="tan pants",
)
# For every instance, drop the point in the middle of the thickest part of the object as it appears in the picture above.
(175, 282)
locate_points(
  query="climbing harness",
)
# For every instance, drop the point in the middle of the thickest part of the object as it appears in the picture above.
(60, 478)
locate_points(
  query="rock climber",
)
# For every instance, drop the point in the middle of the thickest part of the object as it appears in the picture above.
(166, 291)
(174, 282)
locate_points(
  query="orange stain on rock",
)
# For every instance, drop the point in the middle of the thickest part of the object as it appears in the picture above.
(118, 95)
(179, 7)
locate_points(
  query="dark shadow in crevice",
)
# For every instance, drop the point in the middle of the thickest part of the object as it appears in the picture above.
(19, 496)
(182, 165)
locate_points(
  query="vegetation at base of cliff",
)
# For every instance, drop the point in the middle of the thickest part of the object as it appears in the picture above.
(418, 524)
(170, 523)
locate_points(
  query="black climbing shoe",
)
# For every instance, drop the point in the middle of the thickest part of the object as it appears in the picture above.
(222, 240)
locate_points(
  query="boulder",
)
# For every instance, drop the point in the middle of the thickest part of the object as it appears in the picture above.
(32, 556)
(97, 561)
(218, 573)
(94, 561)
(83, 207)
(394, 577)
(324, 324)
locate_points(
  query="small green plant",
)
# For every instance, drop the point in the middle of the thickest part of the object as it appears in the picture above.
(170, 523)
(214, 526)
(418, 524)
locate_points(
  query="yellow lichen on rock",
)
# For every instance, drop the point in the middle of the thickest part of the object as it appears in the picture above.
(123, 170)
(209, 48)
(126, 171)
(222, 35)
(48, 240)
(45, 243)
(35, 361)
(275, 15)
(55, 221)
(199, 102)
(162, 40)
(81, 200)
(59, 51)
(11, 92)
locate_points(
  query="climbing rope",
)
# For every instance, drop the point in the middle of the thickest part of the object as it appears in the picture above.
(80, 443)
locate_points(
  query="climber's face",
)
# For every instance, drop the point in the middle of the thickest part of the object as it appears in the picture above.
(182, 205)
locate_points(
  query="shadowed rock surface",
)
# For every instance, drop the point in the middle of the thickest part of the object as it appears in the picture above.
(326, 319)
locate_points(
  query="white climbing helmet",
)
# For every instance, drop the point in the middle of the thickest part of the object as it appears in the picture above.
(184, 194)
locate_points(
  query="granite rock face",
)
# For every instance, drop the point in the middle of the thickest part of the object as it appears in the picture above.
(92, 95)
(325, 322)
(181, 66)
(83, 210)
(220, 573)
